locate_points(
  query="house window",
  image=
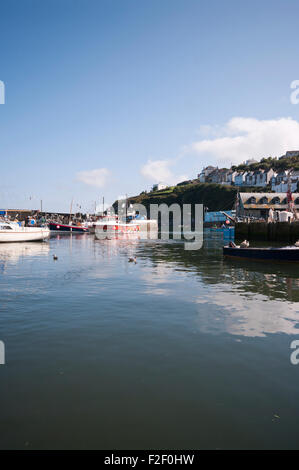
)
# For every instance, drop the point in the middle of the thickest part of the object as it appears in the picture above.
(275, 200)
(251, 200)
(264, 200)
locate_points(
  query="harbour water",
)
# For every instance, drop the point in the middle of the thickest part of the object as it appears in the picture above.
(182, 350)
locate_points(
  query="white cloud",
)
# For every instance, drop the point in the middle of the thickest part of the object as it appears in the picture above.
(240, 139)
(243, 138)
(97, 177)
(159, 171)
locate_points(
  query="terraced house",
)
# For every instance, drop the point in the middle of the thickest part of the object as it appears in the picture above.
(258, 204)
(281, 181)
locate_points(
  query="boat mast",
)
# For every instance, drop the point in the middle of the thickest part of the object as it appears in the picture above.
(290, 198)
(237, 203)
(71, 208)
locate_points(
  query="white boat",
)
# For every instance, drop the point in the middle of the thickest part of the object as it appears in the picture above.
(112, 225)
(12, 232)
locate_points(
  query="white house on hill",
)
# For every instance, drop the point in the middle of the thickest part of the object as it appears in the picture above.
(159, 186)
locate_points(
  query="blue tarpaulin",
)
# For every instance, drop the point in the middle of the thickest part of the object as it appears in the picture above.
(217, 216)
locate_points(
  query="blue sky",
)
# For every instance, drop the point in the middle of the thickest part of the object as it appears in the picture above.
(107, 97)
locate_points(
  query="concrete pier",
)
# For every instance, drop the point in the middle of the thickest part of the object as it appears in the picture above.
(263, 231)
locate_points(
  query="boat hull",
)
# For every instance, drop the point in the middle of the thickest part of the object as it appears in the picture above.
(29, 235)
(290, 255)
(67, 228)
(117, 230)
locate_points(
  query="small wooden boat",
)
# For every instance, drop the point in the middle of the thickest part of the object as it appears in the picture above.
(284, 254)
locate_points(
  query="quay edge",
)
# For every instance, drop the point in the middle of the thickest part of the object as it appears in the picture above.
(267, 231)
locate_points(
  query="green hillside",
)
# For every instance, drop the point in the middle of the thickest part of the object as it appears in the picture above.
(213, 196)
(275, 163)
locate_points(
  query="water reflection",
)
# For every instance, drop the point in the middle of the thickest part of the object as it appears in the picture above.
(213, 295)
(157, 350)
(238, 315)
(273, 281)
(11, 253)
(238, 297)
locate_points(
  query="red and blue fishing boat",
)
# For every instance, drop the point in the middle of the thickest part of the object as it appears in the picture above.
(57, 227)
